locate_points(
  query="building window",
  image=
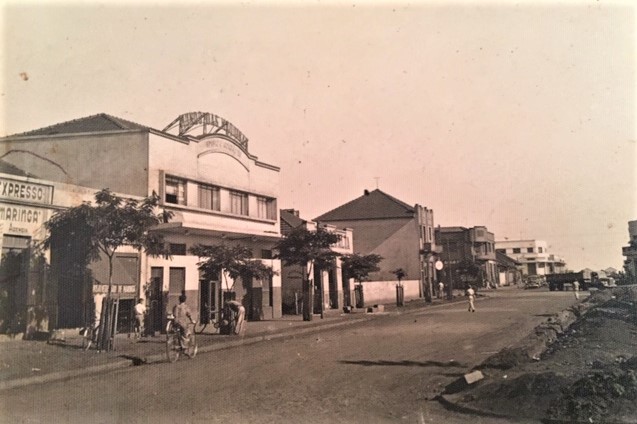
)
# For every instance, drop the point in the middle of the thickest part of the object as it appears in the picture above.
(431, 236)
(539, 249)
(177, 249)
(540, 265)
(238, 203)
(266, 208)
(516, 250)
(175, 191)
(343, 242)
(529, 250)
(209, 197)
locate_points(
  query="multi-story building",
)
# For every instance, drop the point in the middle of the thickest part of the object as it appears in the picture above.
(337, 290)
(475, 246)
(630, 252)
(402, 234)
(201, 168)
(30, 300)
(532, 255)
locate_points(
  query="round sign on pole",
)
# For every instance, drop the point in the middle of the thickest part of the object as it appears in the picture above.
(439, 265)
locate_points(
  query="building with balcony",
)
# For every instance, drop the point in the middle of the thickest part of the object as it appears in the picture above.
(468, 255)
(201, 167)
(402, 234)
(630, 252)
(532, 255)
(337, 291)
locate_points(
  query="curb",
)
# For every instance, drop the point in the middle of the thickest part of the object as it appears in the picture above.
(161, 357)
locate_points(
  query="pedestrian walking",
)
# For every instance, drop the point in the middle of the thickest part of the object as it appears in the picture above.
(576, 288)
(441, 289)
(471, 294)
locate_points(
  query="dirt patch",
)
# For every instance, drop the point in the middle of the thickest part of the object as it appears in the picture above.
(579, 366)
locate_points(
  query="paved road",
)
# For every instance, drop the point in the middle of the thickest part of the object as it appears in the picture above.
(382, 371)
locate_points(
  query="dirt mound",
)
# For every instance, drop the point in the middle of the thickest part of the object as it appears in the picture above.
(587, 371)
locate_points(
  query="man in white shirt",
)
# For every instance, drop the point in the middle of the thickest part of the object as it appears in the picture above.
(471, 294)
(140, 314)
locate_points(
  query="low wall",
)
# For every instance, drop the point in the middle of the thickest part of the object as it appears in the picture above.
(380, 292)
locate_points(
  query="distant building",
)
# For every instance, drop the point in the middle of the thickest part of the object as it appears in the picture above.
(475, 246)
(402, 234)
(509, 272)
(630, 251)
(337, 290)
(532, 255)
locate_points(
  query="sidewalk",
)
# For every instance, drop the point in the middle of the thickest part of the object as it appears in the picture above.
(32, 362)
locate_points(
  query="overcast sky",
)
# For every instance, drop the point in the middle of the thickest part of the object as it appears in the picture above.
(518, 116)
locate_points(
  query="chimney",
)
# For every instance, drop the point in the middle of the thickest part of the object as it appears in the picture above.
(366, 192)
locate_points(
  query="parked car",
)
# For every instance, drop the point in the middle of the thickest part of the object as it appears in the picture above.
(534, 281)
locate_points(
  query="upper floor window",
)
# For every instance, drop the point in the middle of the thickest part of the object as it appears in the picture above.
(175, 191)
(529, 250)
(209, 197)
(516, 250)
(238, 203)
(343, 242)
(177, 249)
(266, 208)
(540, 250)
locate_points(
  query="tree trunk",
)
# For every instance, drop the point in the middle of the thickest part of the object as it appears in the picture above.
(308, 300)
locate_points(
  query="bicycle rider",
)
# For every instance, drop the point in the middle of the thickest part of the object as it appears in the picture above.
(182, 320)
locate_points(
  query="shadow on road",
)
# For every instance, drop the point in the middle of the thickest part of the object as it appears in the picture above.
(406, 363)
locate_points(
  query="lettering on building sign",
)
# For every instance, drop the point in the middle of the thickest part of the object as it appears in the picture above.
(17, 214)
(20, 230)
(27, 192)
(223, 146)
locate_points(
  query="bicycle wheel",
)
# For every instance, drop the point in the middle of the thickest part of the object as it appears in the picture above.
(191, 349)
(172, 346)
(87, 339)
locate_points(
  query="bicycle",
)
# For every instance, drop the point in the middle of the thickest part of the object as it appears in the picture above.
(89, 336)
(174, 346)
(209, 318)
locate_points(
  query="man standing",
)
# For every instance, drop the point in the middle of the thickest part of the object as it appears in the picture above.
(441, 289)
(140, 314)
(471, 294)
(576, 289)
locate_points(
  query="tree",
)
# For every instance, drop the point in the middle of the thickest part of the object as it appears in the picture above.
(400, 274)
(307, 249)
(359, 267)
(230, 261)
(101, 228)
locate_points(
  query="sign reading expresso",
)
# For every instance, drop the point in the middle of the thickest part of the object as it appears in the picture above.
(26, 192)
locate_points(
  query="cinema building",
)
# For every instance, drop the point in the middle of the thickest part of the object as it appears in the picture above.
(203, 172)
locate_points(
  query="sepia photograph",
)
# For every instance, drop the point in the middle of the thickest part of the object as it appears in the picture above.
(224, 211)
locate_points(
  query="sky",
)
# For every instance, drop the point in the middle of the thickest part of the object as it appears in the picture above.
(514, 115)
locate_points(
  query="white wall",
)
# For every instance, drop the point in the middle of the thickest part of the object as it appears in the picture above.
(381, 292)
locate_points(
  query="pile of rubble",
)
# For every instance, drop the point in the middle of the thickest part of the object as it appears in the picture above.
(576, 367)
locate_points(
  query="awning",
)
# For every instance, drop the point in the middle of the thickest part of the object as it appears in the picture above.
(189, 229)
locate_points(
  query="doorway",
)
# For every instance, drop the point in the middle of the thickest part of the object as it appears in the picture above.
(156, 299)
(209, 301)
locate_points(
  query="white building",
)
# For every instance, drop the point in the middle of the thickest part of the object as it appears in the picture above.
(201, 168)
(630, 251)
(532, 255)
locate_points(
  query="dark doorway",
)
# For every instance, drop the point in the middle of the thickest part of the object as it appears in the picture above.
(14, 271)
(333, 289)
(155, 299)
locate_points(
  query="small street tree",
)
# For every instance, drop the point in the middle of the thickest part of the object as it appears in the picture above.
(359, 267)
(309, 250)
(400, 274)
(400, 291)
(229, 261)
(101, 228)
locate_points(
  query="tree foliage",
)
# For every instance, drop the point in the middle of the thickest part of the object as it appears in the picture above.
(399, 273)
(359, 266)
(302, 247)
(101, 228)
(230, 261)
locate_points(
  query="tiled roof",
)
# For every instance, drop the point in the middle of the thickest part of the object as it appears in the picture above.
(292, 220)
(371, 205)
(95, 123)
(7, 168)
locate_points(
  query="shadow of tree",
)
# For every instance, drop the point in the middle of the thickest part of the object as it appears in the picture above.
(135, 359)
(405, 363)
